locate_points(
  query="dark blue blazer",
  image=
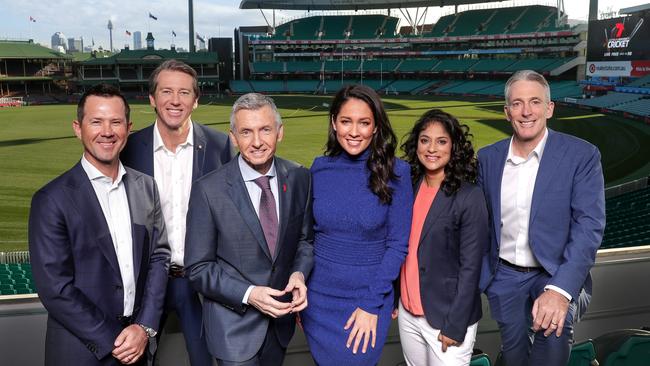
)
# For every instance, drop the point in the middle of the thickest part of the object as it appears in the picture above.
(212, 149)
(76, 271)
(567, 216)
(453, 239)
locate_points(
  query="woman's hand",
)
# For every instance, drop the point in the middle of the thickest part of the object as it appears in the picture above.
(365, 327)
(446, 342)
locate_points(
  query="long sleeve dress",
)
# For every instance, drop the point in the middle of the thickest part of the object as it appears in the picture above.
(359, 247)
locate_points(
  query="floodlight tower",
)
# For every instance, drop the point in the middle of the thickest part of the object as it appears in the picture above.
(190, 7)
(110, 33)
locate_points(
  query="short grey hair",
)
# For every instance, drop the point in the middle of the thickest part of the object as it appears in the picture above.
(528, 75)
(254, 101)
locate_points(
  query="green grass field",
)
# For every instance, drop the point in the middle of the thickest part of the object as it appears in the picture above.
(37, 143)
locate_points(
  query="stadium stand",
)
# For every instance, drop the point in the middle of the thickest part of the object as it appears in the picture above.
(345, 65)
(335, 27)
(16, 279)
(268, 66)
(268, 86)
(640, 107)
(610, 100)
(240, 86)
(302, 86)
(641, 82)
(417, 65)
(449, 65)
(304, 67)
(491, 65)
(28, 68)
(366, 26)
(386, 65)
(628, 219)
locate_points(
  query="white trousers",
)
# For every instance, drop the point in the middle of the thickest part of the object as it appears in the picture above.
(421, 346)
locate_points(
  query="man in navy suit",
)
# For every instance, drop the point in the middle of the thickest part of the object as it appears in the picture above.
(98, 246)
(545, 194)
(176, 151)
(249, 239)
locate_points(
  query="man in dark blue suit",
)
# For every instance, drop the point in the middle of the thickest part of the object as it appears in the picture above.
(98, 246)
(177, 151)
(545, 194)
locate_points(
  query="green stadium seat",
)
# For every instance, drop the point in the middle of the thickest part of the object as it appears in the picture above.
(6, 287)
(22, 280)
(23, 291)
(9, 281)
(8, 292)
(6, 276)
(634, 352)
(582, 354)
(21, 285)
(4, 271)
(480, 360)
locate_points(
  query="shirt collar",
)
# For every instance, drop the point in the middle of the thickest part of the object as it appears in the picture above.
(158, 142)
(537, 151)
(250, 174)
(94, 174)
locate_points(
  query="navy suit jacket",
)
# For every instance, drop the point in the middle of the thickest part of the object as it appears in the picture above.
(453, 239)
(226, 252)
(567, 216)
(76, 271)
(211, 150)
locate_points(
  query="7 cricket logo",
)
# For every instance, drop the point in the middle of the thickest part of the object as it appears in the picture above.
(617, 31)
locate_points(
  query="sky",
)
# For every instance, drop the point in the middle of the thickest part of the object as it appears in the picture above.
(212, 18)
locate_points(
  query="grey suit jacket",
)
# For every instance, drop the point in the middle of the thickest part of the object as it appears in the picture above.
(227, 252)
(76, 270)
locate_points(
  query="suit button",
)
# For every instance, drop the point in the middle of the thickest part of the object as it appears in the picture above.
(273, 269)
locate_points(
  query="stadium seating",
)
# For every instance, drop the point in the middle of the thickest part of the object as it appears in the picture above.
(639, 107)
(582, 354)
(366, 26)
(303, 66)
(240, 86)
(267, 66)
(417, 65)
(442, 26)
(468, 22)
(450, 65)
(16, 278)
(641, 82)
(628, 220)
(489, 65)
(635, 351)
(501, 21)
(305, 28)
(565, 89)
(380, 65)
(267, 86)
(531, 18)
(610, 100)
(407, 86)
(389, 29)
(345, 65)
(335, 27)
(302, 86)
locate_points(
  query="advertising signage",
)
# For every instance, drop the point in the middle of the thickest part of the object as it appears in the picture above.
(619, 39)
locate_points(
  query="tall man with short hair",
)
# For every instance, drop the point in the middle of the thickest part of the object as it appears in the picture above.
(176, 151)
(545, 195)
(249, 242)
(98, 246)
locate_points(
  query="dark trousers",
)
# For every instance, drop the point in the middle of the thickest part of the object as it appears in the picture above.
(270, 354)
(182, 299)
(511, 295)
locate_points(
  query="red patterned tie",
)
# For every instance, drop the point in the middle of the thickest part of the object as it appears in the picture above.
(268, 215)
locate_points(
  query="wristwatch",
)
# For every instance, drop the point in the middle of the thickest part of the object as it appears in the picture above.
(150, 331)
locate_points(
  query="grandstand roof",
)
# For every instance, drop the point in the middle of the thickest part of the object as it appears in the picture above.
(349, 4)
(28, 49)
(153, 56)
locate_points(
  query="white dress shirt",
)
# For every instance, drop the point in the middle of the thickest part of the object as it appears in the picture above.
(255, 194)
(173, 174)
(115, 206)
(517, 186)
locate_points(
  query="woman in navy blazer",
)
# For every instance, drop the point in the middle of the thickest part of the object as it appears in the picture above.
(440, 300)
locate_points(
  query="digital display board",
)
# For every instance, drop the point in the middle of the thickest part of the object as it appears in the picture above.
(619, 39)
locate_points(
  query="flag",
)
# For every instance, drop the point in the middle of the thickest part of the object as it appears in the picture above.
(152, 17)
(200, 38)
(31, 19)
(173, 33)
(93, 41)
(128, 33)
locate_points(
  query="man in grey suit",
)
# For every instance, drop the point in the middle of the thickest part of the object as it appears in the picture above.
(98, 246)
(249, 241)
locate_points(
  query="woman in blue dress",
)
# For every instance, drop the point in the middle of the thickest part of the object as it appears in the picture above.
(362, 211)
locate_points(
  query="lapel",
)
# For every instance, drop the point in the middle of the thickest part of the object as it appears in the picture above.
(494, 179)
(135, 189)
(239, 194)
(284, 198)
(551, 157)
(147, 147)
(199, 151)
(84, 198)
(441, 203)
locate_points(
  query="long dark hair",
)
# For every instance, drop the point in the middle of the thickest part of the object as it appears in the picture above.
(382, 146)
(462, 164)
